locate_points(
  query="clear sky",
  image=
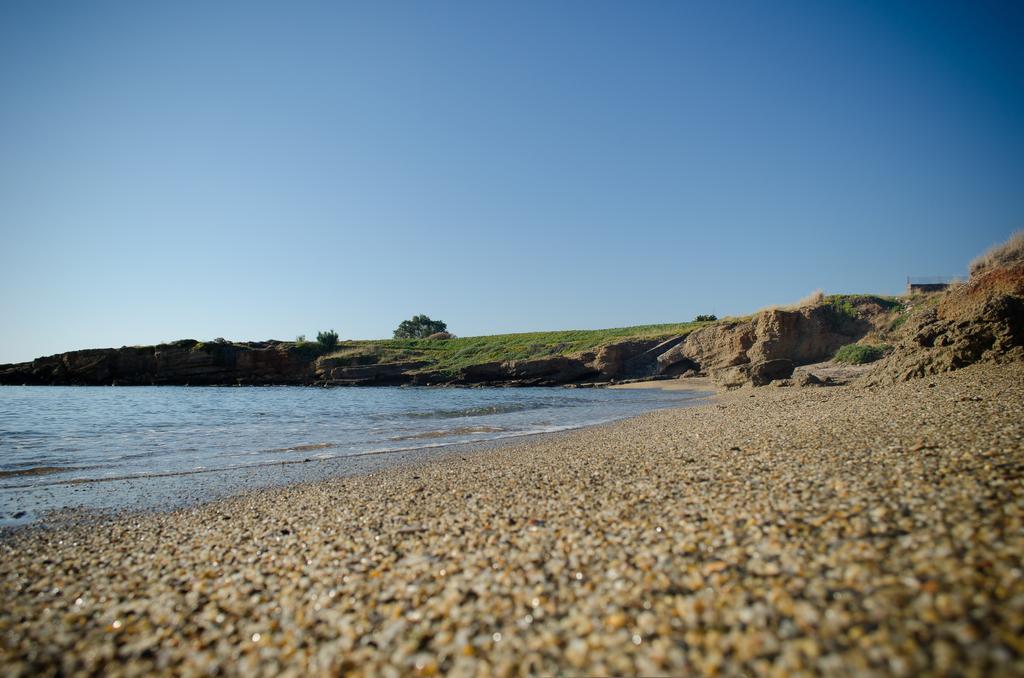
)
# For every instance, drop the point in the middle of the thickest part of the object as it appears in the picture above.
(258, 170)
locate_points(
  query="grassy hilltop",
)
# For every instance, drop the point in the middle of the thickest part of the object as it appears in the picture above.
(450, 355)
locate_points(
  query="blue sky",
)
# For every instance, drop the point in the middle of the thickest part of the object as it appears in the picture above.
(262, 169)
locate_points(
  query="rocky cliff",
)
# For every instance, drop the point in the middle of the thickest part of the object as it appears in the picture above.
(185, 362)
(758, 349)
(772, 343)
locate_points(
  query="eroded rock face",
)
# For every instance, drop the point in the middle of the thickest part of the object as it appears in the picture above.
(182, 362)
(733, 377)
(611, 360)
(388, 374)
(977, 329)
(803, 336)
(767, 371)
(765, 347)
(632, 359)
(558, 369)
(539, 372)
(711, 348)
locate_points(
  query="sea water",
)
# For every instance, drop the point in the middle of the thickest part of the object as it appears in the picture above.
(161, 447)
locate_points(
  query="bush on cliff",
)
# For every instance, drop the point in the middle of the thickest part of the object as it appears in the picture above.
(705, 318)
(858, 354)
(327, 339)
(419, 327)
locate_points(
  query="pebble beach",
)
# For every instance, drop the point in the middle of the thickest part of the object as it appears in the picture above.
(840, 530)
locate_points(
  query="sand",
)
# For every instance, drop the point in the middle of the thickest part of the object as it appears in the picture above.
(838, 530)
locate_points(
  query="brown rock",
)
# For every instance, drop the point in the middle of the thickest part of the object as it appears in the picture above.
(732, 377)
(808, 379)
(797, 337)
(766, 371)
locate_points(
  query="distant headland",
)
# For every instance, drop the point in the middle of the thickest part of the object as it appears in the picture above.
(916, 334)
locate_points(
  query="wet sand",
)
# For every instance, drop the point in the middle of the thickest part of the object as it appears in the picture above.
(838, 530)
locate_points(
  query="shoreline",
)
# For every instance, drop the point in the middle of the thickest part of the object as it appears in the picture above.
(677, 384)
(849, 528)
(314, 471)
(120, 495)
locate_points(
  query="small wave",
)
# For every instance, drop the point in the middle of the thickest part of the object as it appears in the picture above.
(444, 433)
(38, 471)
(478, 411)
(309, 447)
(151, 475)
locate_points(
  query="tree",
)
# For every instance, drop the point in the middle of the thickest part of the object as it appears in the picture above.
(419, 327)
(328, 339)
(705, 318)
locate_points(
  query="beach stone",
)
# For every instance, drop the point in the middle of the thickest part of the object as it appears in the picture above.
(808, 379)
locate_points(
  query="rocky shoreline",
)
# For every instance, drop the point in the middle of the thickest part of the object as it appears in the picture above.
(759, 349)
(859, 529)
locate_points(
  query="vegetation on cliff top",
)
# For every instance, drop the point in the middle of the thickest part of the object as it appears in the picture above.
(420, 327)
(450, 355)
(446, 353)
(1003, 254)
(327, 339)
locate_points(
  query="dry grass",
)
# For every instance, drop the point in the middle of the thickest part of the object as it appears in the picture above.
(813, 299)
(1005, 254)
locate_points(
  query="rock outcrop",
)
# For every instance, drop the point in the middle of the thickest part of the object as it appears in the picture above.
(552, 371)
(185, 362)
(979, 321)
(767, 346)
(387, 374)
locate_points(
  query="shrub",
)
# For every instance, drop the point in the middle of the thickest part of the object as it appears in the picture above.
(419, 327)
(441, 335)
(328, 339)
(843, 307)
(705, 318)
(857, 354)
(300, 339)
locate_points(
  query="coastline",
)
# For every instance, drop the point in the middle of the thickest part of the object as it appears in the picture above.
(26, 500)
(850, 528)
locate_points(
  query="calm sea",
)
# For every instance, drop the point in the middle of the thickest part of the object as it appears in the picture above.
(158, 447)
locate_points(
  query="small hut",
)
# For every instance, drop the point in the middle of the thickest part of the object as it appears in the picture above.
(928, 284)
